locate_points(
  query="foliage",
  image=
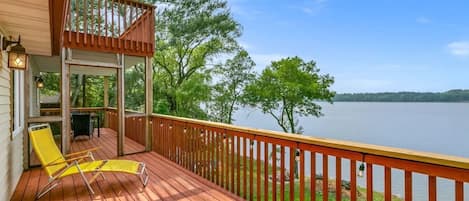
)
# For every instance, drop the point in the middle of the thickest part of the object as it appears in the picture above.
(235, 74)
(455, 95)
(190, 34)
(290, 87)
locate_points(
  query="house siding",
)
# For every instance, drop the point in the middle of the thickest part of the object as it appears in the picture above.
(11, 150)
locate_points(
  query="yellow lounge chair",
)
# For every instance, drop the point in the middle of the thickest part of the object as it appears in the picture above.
(57, 166)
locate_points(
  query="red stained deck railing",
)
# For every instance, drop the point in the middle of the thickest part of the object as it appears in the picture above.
(117, 26)
(240, 160)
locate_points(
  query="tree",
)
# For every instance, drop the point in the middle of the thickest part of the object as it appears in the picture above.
(288, 88)
(190, 34)
(235, 74)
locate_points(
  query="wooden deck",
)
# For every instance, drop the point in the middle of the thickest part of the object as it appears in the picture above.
(168, 181)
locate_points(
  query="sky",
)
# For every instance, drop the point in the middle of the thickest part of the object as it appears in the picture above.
(367, 45)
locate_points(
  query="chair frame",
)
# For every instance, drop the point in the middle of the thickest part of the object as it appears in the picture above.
(55, 179)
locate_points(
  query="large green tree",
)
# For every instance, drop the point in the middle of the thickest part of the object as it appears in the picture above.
(190, 34)
(234, 76)
(290, 88)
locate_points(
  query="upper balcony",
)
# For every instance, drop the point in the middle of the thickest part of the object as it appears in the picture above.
(114, 26)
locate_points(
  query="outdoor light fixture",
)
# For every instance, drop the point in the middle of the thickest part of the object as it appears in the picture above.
(16, 54)
(39, 82)
(297, 155)
(361, 170)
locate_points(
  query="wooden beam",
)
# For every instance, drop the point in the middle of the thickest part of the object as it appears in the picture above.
(120, 107)
(106, 99)
(27, 75)
(148, 103)
(92, 63)
(58, 12)
(65, 96)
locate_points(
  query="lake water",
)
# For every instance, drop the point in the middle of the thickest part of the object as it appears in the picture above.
(431, 127)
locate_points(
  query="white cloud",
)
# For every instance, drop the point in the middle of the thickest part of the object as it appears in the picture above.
(423, 20)
(459, 48)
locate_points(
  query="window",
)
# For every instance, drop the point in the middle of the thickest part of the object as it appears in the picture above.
(17, 102)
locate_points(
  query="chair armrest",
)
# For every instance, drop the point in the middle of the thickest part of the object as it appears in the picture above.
(82, 152)
(79, 158)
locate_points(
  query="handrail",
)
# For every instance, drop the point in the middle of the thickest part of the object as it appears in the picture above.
(400, 153)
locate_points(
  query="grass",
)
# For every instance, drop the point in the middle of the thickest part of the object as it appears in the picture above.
(361, 192)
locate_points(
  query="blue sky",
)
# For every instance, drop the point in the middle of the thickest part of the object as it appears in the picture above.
(367, 45)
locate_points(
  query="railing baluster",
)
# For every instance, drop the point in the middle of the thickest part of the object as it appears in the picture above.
(353, 180)
(258, 159)
(274, 171)
(338, 178)
(431, 188)
(459, 190)
(245, 140)
(387, 184)
(408, 185)
(369, 182)
(266, 171)
(313, 176)
(218, 158)
(222, 159)
(325, 177)
(302, 175)
(99, 23)
(282, 172)
(85, 21)
(232, 168)
(119, 8)
(77, 29)
(92, 23)
(112, 24)
(106, 43)
(238, 165)
(207, 154)
(251, 169)
(292, 172)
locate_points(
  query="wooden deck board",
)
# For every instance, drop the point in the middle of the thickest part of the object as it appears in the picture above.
(168, 181)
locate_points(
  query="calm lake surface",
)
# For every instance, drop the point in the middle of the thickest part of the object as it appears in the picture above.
(430, 127)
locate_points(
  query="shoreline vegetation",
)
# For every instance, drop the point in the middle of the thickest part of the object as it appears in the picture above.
(361, 191)
(455, 96)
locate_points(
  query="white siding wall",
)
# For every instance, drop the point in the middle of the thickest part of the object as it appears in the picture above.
(11, 150)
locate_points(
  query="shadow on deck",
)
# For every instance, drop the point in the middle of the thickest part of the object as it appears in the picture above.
(168, 181)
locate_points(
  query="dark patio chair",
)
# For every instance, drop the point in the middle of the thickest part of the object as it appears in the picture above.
(82, 125)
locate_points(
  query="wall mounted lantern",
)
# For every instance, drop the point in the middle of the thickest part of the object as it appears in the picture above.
(16, 54)
(39, 82)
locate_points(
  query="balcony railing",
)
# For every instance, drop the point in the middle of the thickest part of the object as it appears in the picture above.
(118, 26)
(244, 161)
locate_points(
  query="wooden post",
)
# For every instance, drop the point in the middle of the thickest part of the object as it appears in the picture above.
(27, 76)
(120, 107)
(148, 103)
(106, 100)
(65, 96)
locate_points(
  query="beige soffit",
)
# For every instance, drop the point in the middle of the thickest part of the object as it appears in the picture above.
(30, 19)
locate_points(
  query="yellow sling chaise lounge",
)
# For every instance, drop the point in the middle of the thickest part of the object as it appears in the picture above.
(58, 166)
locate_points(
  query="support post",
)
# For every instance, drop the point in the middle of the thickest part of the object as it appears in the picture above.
(65, 97)
(148, 103)
(120, 106)
(106, 100)
(27, 76)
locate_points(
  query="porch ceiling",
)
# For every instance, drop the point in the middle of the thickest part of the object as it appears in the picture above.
(31, 20)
